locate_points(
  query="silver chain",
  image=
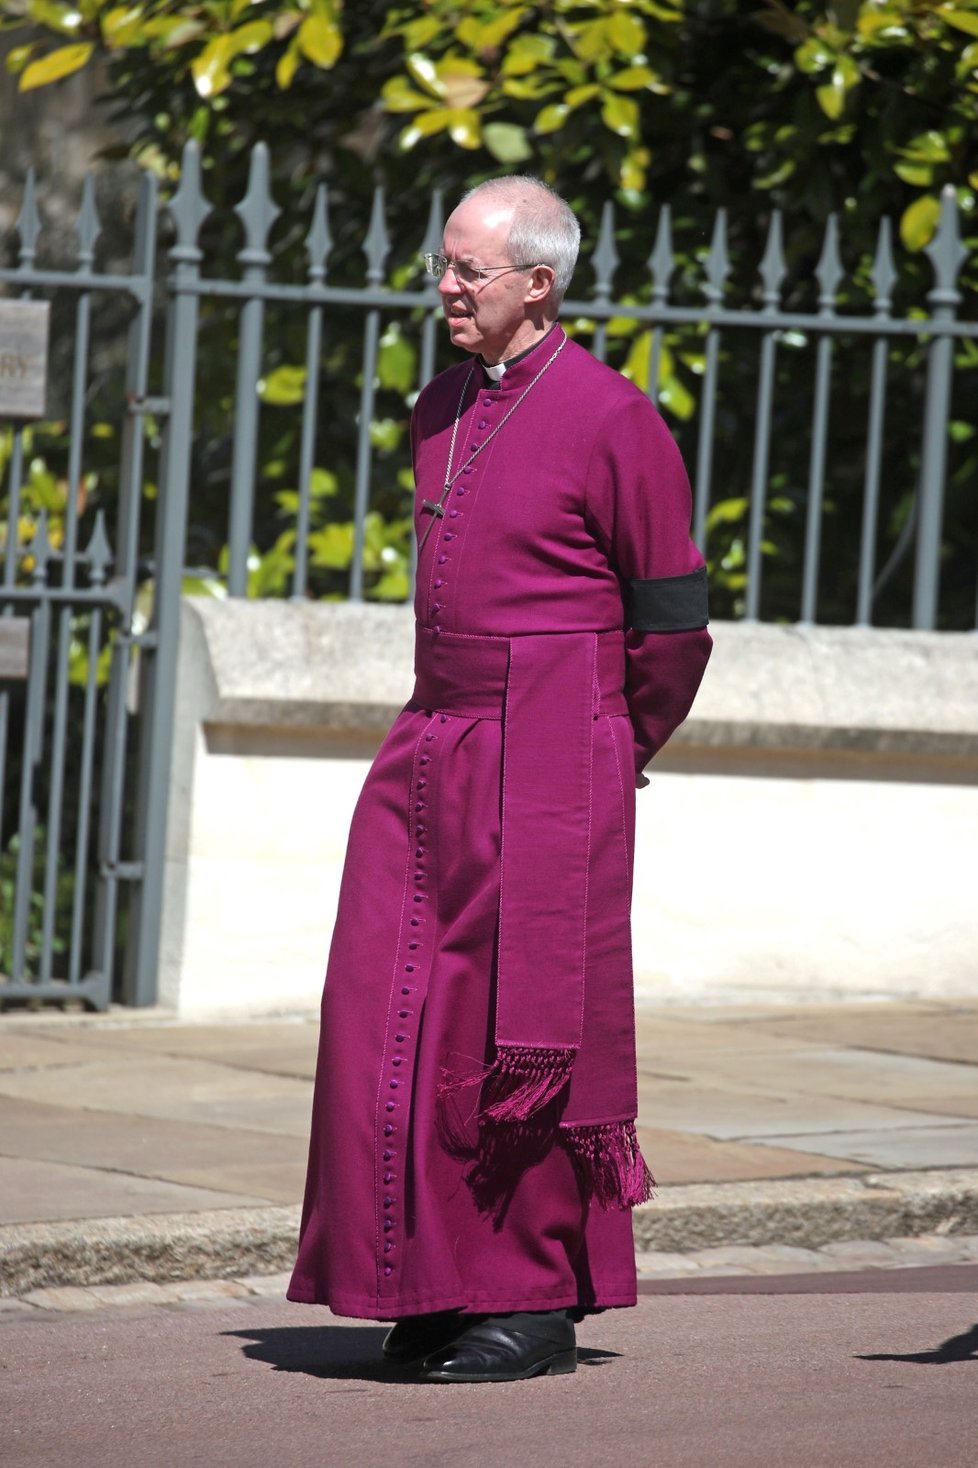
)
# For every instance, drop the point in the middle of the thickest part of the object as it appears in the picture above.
(438, 510)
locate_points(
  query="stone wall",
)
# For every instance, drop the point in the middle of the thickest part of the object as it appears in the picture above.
(810, 832)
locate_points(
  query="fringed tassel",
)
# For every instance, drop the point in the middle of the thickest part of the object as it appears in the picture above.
(610, 1164)
(520, 1082)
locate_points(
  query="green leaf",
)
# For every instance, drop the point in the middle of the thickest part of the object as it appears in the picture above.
(527, 53)
(397, 360)
(592, 42)
(399, 96)
(55, 65)
(920, 175)
(550, 119)
(506, 142)
(813, 56)
(928, 147)
(626, 33)
(332, 546)
(211, 69)
(919, 221)
(320, 40)
(287, 65)
(422, 70)
(122, 26)
(633, 79)
(283, 387)
(620, 114)
(962, 20)
(465, 129)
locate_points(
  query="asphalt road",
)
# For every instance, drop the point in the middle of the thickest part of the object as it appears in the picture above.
(852, 1371)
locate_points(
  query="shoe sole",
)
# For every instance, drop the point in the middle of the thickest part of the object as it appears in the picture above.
(563, 1364)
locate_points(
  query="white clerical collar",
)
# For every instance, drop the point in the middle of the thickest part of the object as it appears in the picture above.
(496, 371)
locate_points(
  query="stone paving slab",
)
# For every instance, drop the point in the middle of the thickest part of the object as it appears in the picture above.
(946, 1031)
(954, 1145)
(267, 1167)
(35, 1191)
(684, 1157)
(286, 1048)
(189, 1090)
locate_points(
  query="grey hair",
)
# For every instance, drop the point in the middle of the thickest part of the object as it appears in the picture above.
(544, 231)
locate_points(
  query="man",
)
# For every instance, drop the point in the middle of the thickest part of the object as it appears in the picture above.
(473, 1158)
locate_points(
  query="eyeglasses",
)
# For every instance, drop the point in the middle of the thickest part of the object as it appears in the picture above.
(468, 274)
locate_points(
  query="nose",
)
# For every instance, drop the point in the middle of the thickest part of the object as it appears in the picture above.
(449, 285)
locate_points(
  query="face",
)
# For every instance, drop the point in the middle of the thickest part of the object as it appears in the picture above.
(492, 317)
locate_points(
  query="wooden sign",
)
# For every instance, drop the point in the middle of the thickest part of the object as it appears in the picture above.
(23, 358)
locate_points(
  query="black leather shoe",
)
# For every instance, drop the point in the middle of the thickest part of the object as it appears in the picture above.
(416, 1336)
(507, 1348)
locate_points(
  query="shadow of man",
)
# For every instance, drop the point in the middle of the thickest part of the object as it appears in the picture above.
(345, 1352)
(962, 1347)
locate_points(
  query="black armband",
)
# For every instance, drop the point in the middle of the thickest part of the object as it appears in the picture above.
(669, 603)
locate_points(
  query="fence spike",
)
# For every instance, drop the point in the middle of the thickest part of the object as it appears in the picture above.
(40, 550)
(319, 241)
(432, 241)
(89, 226)
(829, 270)
(946, 252)
(99, 551)
(773, 265)
(189, 208)
(257, 211)
(604, 261)
(662, 261)
(716, 267)
(28, 224)
(884, 272)
(377, 243)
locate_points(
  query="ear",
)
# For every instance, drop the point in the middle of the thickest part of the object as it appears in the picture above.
(541, 283)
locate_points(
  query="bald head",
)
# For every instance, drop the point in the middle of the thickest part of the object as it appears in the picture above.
(544, 230)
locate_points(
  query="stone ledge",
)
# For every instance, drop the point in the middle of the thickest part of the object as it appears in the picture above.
(228, 1243)
(809, 1212)
(348, 667)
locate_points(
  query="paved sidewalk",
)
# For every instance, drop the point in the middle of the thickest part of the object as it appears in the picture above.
(137, 1148)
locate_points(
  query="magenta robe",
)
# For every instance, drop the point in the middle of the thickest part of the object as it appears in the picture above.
(581, 493)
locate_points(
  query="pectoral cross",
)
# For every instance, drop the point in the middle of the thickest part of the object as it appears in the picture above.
(436, 508)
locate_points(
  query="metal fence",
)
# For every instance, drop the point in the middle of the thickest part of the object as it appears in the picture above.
(86, 736)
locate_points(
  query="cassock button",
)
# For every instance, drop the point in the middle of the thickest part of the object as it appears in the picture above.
(388, 1271)
(487, 402)
(388, 1130)
(405, 991)
(388, 1225)
(388, 1177)
(442, 560)
(388, 1156)
(388, 1246)
(388, 1201)
(453, 514)
(483, 422)
(403, 1013)
(389, 1106)
(439, 583)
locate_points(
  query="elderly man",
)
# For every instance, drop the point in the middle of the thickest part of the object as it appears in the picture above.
(473, 1157)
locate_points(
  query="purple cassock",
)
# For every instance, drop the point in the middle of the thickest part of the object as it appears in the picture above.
(473, 1143)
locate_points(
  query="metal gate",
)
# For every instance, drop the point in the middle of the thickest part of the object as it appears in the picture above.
(71, 870)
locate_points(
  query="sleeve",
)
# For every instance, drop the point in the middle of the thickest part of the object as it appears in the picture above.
(639, 505)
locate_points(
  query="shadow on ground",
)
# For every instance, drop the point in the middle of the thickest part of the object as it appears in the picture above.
(345, 1352)
(962, 1347)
